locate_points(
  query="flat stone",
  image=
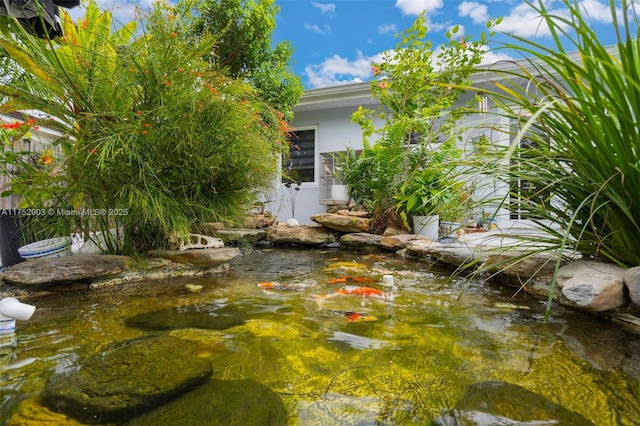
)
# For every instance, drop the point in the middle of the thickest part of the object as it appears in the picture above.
(395, 241)
(237, 235)
(66, 269)
(304, 235)
(199, 257)
(456, 254)
(360, 239)
(127, 379)
(521, 264)
(210, 317)
(343, 223)
(221, 402)
(499, 403)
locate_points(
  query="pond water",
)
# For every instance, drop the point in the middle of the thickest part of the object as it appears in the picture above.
(413, 357)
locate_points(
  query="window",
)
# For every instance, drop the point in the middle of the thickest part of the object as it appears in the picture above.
(300, 166)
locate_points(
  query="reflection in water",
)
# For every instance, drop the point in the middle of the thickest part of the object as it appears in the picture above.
(348, 358)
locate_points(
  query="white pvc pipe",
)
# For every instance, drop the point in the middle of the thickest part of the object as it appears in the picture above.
(10, 307)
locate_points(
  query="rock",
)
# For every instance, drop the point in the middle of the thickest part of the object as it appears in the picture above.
(30, 412)
(221, 402)
(395, 242)
(521, 264)
(236, 235)
(66, 269)
(593, 285)
(355, 213)
(261, 220)
(499, 403)
(199, 257)
(360, 240)
(127, 379)
(632, 281)
(210, 317)
(390, 231)
(343, 223)
(304, 235)
(457, 254)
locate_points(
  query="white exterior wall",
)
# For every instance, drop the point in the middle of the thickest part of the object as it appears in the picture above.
(334, 132)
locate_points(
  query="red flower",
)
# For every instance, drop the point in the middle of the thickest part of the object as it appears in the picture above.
(383, 84)
(376, 71)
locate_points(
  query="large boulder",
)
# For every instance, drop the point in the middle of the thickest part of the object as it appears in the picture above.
(343, 222)
(632, 281)
(303, 235)
(221, 402)
(127, 379)
(66, 269)
(592, 285)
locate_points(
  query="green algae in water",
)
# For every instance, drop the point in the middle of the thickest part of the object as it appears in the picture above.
(415, 363)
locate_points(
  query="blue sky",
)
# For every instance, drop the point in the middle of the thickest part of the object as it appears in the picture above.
(335, 41)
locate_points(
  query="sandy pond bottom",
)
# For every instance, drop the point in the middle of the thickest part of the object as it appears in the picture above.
(348, 359)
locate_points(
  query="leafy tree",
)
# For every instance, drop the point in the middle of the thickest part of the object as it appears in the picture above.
(243, 31)
(417, 86)
(157, 140)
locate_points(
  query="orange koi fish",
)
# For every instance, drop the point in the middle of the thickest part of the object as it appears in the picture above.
(360, 291)
(354, 316)
(347, 279)
(269, 285)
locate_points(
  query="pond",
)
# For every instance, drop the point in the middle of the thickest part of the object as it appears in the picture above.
(418, 354)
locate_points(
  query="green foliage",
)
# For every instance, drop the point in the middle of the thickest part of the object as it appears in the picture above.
(151, 129)
(406, 169)
(243, 48)
(580, 113)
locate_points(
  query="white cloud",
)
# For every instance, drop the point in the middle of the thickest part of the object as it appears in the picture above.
(324, 30)
(338, 70)
(479, 13)
(415, 7)
(329, 8)
(524, 21)
(387, 28)
(595, 11)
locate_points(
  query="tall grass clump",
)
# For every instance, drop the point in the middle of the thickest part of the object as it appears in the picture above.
(576, 142)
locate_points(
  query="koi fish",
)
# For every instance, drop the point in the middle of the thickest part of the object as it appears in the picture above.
(360, 291)
(347, 279)
(194, 288)
(354, 316)
(269, 285)
(345, 265)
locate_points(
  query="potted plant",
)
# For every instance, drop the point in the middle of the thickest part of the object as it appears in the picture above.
(418, 198)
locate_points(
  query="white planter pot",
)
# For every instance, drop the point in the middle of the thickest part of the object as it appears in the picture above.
(426, 226)
(340, 194)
